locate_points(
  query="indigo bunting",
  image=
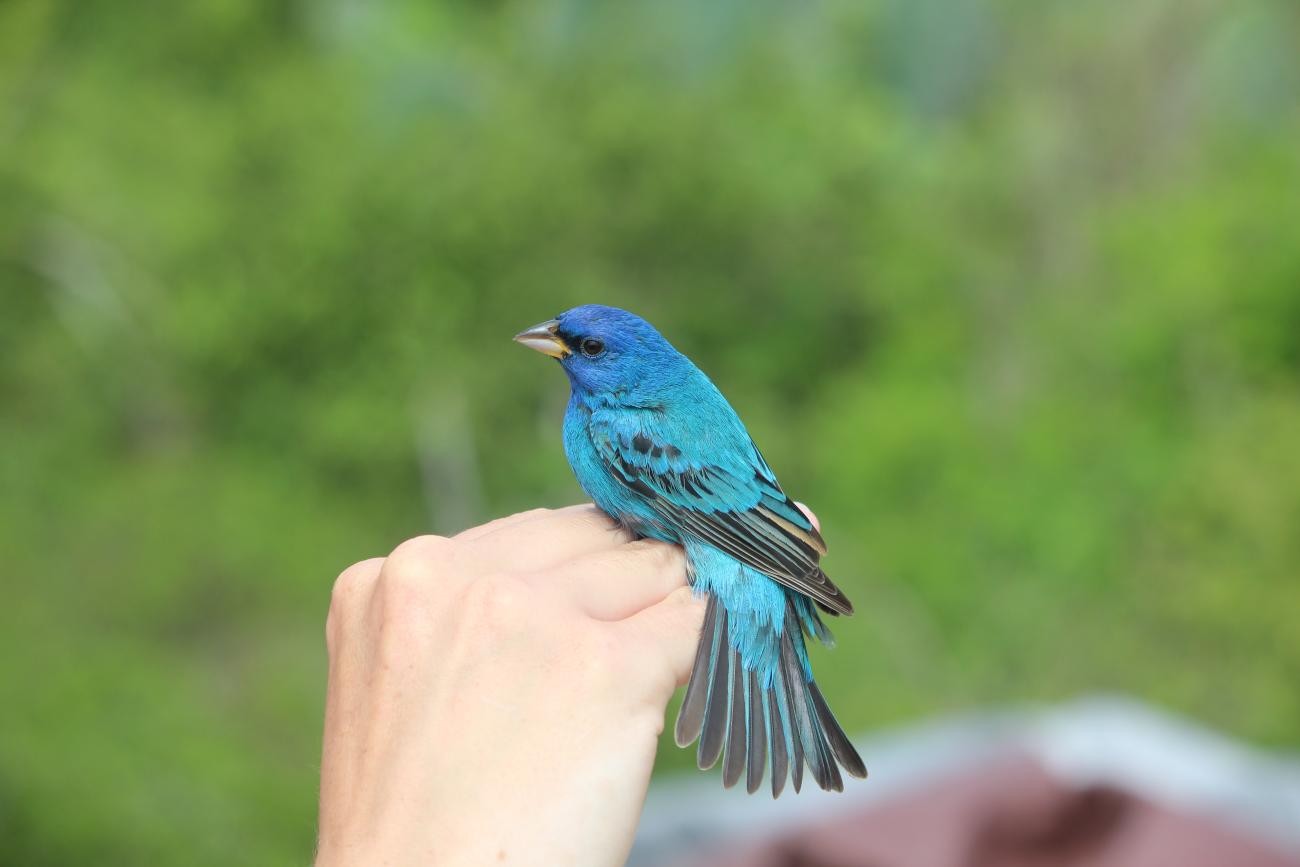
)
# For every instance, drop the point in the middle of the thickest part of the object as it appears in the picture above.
(658, 448)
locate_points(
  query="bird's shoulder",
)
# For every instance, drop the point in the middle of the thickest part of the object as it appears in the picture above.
(682, 438)
(700, 458)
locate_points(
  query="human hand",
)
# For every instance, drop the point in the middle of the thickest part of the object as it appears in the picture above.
(498, 696)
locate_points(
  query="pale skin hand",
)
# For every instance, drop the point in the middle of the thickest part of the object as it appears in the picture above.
(498, 696)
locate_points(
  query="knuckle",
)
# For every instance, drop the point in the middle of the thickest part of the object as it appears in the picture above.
(348, 598)
(352, 582)
(416, 558)
(406, 590)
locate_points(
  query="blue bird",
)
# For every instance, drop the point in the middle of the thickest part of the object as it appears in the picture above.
(658, 448)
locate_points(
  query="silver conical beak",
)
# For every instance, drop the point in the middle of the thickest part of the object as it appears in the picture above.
(544, 338)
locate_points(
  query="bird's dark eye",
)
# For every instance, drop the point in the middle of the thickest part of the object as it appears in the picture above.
(591, 347)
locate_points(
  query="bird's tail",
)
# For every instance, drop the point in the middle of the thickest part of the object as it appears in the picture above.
(775, 709)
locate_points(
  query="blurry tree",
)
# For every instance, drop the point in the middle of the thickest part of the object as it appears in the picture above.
(1010, 293)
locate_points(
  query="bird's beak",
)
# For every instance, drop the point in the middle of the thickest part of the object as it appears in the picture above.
(544, 339)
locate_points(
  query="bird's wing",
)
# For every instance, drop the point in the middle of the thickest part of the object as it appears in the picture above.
(733, 503)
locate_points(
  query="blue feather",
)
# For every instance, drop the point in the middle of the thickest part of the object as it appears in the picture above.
(655, 444)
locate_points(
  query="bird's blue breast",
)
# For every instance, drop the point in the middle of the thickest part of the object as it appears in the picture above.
(613, 497)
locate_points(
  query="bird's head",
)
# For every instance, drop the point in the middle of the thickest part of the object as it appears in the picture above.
(606, 351)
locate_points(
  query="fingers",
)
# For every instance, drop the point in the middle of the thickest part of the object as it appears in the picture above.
(539, 540)
(350, 598)
(617, 583)
(817, 525)
(473, 533)
(521, 544)
(501, 523)
(670, 630)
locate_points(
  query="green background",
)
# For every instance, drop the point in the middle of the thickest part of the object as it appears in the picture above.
(1009, 292)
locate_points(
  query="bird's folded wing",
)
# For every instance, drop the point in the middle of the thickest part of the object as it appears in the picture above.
(732, 503)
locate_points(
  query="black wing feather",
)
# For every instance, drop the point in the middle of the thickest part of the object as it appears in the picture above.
(757, 536)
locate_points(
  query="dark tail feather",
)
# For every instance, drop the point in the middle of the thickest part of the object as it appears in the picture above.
(717, 703)
(757, 735)
(729, 705)
(737, 736)
(690, 719)
(780, 751)
(844, 752)
(801, 719)
(791, 706)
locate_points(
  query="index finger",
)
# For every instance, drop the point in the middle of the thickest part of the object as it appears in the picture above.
(614, 584)
(541, 539)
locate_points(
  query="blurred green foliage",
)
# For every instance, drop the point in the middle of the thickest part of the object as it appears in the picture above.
(1009, 292)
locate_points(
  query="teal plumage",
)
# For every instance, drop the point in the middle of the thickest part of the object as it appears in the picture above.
(655, 444)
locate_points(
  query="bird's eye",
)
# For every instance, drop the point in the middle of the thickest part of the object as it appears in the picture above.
(591, 347)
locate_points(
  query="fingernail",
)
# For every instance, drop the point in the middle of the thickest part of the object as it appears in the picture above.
(811, 517)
